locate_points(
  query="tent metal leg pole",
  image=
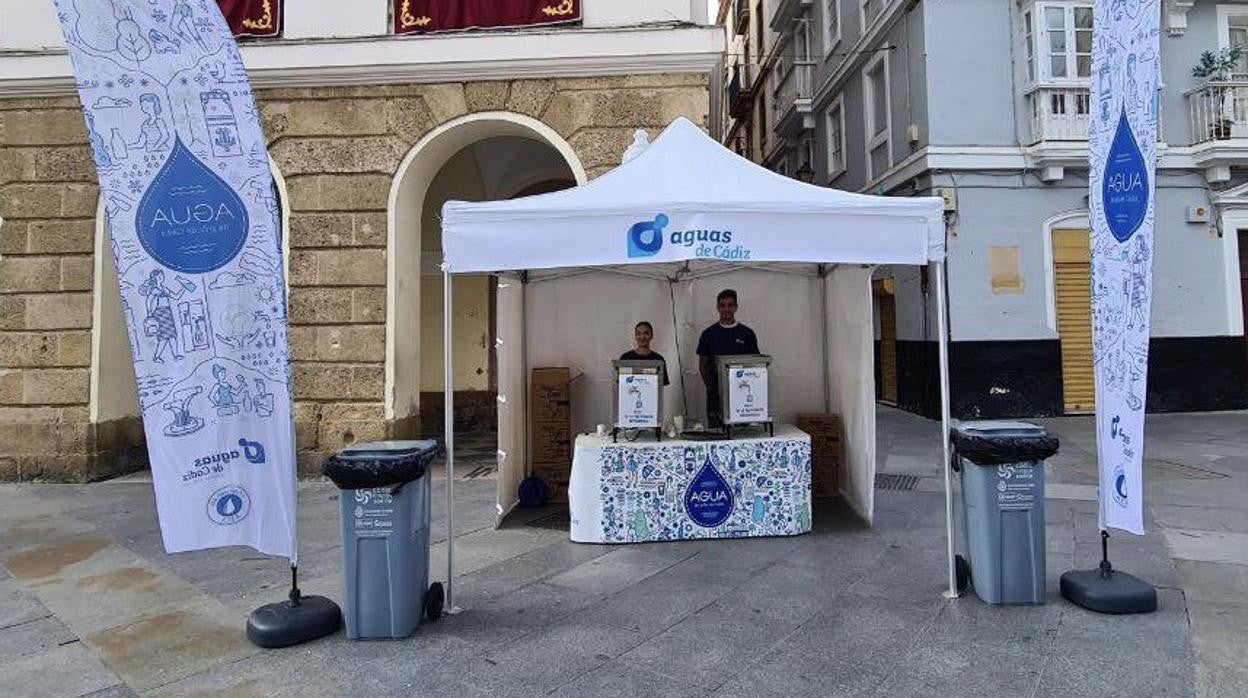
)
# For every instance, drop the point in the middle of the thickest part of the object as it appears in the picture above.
(942, 328)
(823, 314)
(448, 425)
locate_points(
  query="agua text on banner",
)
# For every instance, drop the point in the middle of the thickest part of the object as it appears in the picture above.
(1122, 145)
(196, 235)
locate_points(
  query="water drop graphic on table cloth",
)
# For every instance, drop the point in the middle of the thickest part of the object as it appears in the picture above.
(708, 501)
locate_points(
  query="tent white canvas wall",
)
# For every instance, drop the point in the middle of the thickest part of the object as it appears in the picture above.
(655, 239)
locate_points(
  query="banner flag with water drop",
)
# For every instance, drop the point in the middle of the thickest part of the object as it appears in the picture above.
(196, 233)
(1122, 152)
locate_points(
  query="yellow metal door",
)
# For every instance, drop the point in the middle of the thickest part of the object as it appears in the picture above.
(1072, 272)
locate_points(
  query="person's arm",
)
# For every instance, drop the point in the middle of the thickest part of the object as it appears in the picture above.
(753, 345)
(706, 366)
(704, 360)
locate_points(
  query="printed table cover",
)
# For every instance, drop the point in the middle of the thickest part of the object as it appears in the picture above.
(679, 490)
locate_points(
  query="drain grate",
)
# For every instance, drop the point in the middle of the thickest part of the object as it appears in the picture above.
(481, 471)
(557, 520)
(902, 483)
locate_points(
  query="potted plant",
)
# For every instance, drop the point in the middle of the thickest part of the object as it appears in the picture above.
(1214, 67)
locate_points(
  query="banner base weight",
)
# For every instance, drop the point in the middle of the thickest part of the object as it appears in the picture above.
(1117, 593)
(1106, 590)
(289, 623)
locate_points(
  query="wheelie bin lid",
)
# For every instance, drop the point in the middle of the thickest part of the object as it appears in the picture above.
(1000, 442)
(380, 463)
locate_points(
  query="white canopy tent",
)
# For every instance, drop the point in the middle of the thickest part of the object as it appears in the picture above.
(655, 239)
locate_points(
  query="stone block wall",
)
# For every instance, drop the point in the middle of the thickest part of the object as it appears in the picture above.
(338, 150)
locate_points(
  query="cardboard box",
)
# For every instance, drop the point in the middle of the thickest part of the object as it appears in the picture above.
(825, 452)
(551, 395)
(550, 428)
(552, 443)
(825, 478)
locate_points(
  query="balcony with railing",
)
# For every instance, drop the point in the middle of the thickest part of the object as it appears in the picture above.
(741, 91)
(1062, 114)
(793, 93)
(741, 16)
(1059, 113)
(1219, 111)
(1218, 117)
(785, 11)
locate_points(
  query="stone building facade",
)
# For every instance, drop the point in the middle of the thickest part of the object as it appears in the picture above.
(344, 158)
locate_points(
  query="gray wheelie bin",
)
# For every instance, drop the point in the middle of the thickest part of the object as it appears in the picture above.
(1002, 466)
(384, 508)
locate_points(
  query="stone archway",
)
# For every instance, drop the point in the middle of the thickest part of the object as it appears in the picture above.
(407, 220)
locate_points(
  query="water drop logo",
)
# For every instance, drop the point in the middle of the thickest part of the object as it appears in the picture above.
(190, 220)
(1124, 184)
(645, 239)
(229, 505)
(1120, 487)
(708, 501)
(253, 451)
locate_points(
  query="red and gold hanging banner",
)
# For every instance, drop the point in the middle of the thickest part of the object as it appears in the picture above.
(253, 17)
(417, 16)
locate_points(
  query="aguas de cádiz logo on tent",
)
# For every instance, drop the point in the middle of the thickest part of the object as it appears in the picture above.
(646, 239)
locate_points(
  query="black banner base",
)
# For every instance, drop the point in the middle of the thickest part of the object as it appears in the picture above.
(1116, 593)
(294, 621)
(287, 623)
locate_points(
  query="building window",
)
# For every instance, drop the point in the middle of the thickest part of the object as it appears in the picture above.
(1058, 40)
(835, 120)
(869, 10)
(760, 28)
(831, 25)
(1029, 38)
(1233, 31)
(801, 39)
(877, 119)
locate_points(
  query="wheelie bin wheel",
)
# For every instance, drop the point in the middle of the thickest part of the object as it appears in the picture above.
(963, 572)
(434, 598)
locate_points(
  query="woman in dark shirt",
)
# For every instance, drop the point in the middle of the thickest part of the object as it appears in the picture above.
(643, 333)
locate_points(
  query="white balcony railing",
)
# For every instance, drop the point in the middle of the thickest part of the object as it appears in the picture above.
(1059, 113)
(1062, 114)
(1219, 111)
(794, 90)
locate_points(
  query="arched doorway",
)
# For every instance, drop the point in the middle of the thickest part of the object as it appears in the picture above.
(479, 157)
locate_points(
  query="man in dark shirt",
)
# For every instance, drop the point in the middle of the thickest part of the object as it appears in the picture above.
(643, 334)
(725, 338)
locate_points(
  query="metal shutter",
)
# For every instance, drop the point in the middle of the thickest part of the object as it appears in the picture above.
(1072, 273)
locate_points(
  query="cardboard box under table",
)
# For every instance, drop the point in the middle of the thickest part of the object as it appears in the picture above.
(684, 489)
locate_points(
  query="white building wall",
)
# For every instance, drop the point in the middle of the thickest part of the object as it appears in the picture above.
(1191, 297)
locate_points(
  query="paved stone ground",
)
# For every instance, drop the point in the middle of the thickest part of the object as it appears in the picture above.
(89, 604)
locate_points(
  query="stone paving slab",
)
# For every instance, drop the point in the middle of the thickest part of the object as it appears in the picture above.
(65, 670)
(163, 648)
(32, 637)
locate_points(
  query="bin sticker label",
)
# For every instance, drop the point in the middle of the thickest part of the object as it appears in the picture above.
(1016, 485)
(374, 512)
